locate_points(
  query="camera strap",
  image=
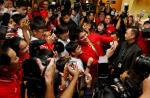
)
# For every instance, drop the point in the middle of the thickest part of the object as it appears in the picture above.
(43, 73)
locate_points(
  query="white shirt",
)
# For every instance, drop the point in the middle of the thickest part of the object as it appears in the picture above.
(20, 33)
(78, 62)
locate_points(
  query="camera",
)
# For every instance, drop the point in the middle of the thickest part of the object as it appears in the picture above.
(125, 13)
(146, 33)
(143, 65)
(122, 90)
(35, 83)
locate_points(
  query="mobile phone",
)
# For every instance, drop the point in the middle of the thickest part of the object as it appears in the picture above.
(72, 63)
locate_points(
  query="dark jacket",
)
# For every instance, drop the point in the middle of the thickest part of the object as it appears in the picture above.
(126, 55)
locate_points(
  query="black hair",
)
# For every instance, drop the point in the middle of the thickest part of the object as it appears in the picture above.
(90, 12)
(14, 43)
(38, 23)
(3, 31)
(22, 3)
(86, 20)
(1, 1)
(116, 33)
(5, 19)
(74, 35)
(59, 47)
(101, 12)
(17, 18)
(60, 63)
(66, 4)
(44, 54)
(106, 92)
(65, 12)
(146, 22)
(62, 29)
(57, 82)
(4, 58)
(71, 46)
(135, 30)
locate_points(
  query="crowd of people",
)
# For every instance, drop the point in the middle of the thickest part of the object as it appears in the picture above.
(74, 50)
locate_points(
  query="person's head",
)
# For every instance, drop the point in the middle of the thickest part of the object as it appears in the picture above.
(1, 3)
(5, 19)
(90, 15)
(115, 36)
(44, 4)
(131, 34)
(106, 92)
(107, 19)
(73, 12)
(66, 15)
(8, 21)
(3, 31)
(63, 32)
(22, 7)
(83, 37)
(29, 9)
(130, 20)
(9, 61)
(66, 4)
(59, 47)
(86, 25)
(50, 37)
(19, 45)
(19, 19)
(8, 3)
(100, 27)
(102, 16)
(79, 35)
(146, 24)
(38, 26)
(73, 48)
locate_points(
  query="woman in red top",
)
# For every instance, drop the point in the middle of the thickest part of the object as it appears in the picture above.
(20, 46)
(9, 80)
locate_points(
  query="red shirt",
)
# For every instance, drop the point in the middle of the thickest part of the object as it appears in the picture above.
(98, 42)
(10, 88)
(110, 28)
(142, 44)
(47, 46)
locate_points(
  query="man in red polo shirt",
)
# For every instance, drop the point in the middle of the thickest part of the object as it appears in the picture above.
(91, 46)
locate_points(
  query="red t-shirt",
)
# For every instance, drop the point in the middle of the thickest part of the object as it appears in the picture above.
(10, 88)
(47, 46)
(143, 44)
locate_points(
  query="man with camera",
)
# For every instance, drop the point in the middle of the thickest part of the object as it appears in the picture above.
(127, 52)
(49, 74)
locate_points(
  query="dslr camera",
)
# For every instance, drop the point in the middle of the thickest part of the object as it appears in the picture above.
(35, 83)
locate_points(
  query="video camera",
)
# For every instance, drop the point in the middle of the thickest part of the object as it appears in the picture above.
(143, 65)
(129, 88)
